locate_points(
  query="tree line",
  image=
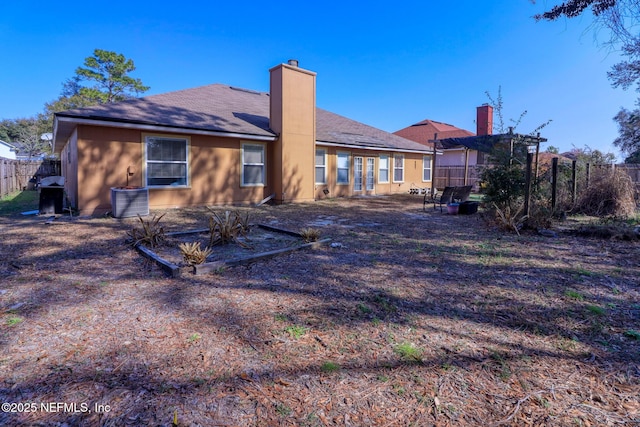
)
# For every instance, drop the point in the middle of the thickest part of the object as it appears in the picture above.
(619, 20)
(104, 78)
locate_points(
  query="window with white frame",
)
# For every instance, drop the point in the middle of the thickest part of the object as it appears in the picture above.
(166, 161)
(426, 168)
(383, 168)
(342, 168)
(253, 165)
(398, 168)
(321, 166)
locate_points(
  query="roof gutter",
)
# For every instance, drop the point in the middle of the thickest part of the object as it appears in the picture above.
(159, 128)
(360, 147)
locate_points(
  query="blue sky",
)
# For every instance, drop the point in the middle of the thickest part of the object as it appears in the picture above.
(386, 64)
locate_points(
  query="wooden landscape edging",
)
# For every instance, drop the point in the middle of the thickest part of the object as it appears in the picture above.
(170, 268)
(174, 270)
(210, 267)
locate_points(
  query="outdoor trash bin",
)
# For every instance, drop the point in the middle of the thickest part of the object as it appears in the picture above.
(51, 195)
(468, 208)
(51, 200)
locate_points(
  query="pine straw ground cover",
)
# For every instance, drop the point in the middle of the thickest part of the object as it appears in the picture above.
(412, 319)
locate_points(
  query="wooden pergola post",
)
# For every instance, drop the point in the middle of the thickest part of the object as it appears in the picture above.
(433, 178)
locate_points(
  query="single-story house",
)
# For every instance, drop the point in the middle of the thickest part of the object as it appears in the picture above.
(427, 131)
(218, 144)
(7, 150)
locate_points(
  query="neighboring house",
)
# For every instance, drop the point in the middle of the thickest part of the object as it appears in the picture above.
(218, 144)
(463, 151)
(7, 150)
(426, 131)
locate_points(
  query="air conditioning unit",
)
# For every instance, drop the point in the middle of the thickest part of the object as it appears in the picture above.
(129, 201)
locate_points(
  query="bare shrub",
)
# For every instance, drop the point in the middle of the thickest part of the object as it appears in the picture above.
(193, 254)
(609, 194)
(150, 233)
(310, 234)
(226, 228)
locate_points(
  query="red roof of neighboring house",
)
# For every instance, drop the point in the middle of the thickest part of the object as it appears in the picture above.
(425, 131)
(545, 159)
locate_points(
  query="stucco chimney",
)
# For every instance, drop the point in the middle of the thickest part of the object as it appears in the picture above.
(484, 120)
(292, 115)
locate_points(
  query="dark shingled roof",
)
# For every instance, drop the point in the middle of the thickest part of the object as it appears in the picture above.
(225, 109)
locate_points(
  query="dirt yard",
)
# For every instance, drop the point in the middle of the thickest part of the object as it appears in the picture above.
(408, 318)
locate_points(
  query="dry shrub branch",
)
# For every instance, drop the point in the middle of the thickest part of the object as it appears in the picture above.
(609, 194)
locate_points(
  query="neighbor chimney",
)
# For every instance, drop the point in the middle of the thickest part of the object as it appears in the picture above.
(484, 120)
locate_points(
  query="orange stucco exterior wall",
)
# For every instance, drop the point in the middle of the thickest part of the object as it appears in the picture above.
(112, 157)
(98, 158)
(293, 117)
(412, 174)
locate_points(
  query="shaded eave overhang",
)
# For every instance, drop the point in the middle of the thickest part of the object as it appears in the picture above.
(63, 126)
(375, 148)
(485, 143)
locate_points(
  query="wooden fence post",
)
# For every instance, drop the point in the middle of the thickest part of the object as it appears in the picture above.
(554, 183)
(527, 185)
(574, 182)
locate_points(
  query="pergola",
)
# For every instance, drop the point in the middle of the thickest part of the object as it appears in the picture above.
(487, 143)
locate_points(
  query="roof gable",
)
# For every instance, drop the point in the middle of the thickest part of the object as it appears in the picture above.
(425, 131)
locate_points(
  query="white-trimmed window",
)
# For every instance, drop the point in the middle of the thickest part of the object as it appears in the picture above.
(321, 166)
(342, 166)
(166, 161)
(398, 168)
(253, 165)
(383, 168)
(426, 168)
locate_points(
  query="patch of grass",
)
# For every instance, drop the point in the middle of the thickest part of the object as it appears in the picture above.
(283, 410)
(295, 331)
(399, 390)
(409, 352)
(194, 337)
(281, 317)
(329, 367)
(364, 309)
(574, 295)
(384, 303)
(16, 203)
(597, 310)
(505, 370)
(632, 334)
(14, 320)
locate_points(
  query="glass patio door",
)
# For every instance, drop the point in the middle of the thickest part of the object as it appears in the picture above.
(357, 173)
(370, 173)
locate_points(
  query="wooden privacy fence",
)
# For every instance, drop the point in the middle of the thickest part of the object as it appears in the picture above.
(453, 176)
(15, 174)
